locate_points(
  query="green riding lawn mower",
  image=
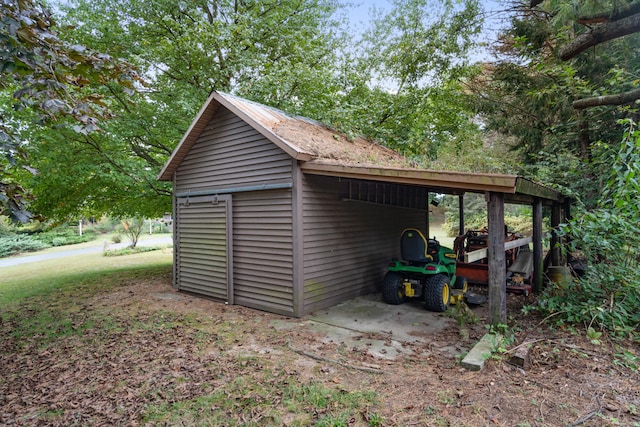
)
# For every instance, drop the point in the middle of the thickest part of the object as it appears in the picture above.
(425, 272)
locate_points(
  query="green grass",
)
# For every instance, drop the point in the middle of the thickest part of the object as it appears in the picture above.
(27, 280)
(268, 402)
(62, 309)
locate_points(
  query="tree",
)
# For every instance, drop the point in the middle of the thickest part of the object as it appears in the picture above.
(394, 81)
(132, 229)
(54, 78)
(183, 50)
(531, 94)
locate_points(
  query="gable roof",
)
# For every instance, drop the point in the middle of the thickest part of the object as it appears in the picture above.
(323, 151)
(301, 138)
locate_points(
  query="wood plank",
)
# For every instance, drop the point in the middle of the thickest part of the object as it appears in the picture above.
(482, 253)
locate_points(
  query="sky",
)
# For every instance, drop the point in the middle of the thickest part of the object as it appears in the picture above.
(359, 15)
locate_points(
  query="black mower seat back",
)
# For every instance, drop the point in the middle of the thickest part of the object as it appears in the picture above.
(413, 247)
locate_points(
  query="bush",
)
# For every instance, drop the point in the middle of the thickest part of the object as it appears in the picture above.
(19, 244)
(6, 228)
(607, 297)
(131, 251)
(64, 236)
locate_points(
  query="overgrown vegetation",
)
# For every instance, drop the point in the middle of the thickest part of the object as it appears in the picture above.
(607, 296)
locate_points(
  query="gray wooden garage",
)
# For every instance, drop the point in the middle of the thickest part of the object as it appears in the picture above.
(282, 214)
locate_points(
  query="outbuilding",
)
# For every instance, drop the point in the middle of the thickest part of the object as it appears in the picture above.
(283, 214)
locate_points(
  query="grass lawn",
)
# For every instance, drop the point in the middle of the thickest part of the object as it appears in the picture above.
(83, 343)
(25, 280)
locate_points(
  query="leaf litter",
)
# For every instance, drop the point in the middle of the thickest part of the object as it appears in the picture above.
(143, 354)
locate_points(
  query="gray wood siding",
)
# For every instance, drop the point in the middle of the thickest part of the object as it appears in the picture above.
(202, 239)
(231, 154)
(347, 245)
(263, 250)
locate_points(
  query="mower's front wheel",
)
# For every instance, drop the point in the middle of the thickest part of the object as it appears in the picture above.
(437, 293)
(392, 289)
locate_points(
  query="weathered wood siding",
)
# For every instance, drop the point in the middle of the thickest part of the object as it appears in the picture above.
(263, 250)
(231, 154)
(203, 260)
(347, 245)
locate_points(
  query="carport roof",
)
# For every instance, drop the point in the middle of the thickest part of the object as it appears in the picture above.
(323, 151)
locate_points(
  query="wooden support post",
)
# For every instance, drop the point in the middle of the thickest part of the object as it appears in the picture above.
(555, 240)
(497, 260)
(537, 245)
(567, 218)
(460, 214)
(427, 229)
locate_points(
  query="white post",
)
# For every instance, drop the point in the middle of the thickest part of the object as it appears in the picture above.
(80, 227)
(150, 227)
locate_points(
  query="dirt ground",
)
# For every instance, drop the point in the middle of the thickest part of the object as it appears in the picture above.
(569, 381)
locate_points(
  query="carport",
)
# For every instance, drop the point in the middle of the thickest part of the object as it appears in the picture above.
(369, 184)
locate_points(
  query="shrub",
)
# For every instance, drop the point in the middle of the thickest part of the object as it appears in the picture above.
(6, 228)
(19, 244)
(132, 228)
(61, 236)
(608, 295)
(131, 251)
(116, 238)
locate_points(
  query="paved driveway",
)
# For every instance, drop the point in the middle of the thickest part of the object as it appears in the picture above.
(25, 259)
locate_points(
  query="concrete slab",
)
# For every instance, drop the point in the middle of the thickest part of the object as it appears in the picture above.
(385, 331)
(474, 360)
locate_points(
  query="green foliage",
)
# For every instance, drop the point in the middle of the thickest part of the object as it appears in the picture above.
(17, 244)
(6, 228)
(518, 219)
(608, 237)
(61, 236)
(528, 95)
(55, 79)
(594, 336)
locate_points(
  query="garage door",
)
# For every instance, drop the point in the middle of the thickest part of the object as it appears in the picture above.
(203, 254)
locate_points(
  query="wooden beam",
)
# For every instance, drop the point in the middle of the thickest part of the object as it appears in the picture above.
(460, 214)
(537, 245)
(474, 256)
(497, 260)
(555, 239)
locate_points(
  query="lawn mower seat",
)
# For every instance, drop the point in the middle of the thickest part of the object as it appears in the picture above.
(413, 247)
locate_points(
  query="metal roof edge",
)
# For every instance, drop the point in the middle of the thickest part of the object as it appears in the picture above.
(232, 103)
(206, 113)
(451, 180)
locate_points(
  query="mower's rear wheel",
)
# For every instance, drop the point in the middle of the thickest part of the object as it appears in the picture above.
(392, 289)
(462, 284)
(437, 293)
